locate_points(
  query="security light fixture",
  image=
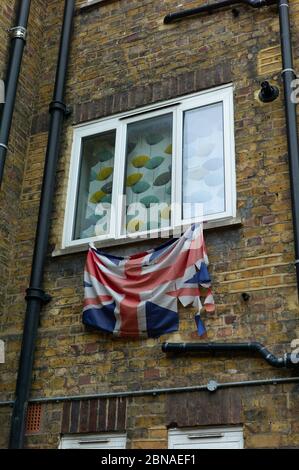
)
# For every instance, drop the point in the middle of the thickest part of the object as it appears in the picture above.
(268, 92)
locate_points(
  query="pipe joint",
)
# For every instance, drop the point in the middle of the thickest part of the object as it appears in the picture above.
(255, 3)
(18, 32)
(259, 3)
(291, 70)
(59, 106)
(38, 294)
(212, 385)
(284, 5)
(289, 360)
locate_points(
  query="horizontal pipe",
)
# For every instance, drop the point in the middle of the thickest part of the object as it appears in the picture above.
(254, 347)
(158, 391)
(210, 8)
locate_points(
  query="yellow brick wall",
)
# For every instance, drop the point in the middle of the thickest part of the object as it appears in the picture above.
(6, 16)
(10, 194)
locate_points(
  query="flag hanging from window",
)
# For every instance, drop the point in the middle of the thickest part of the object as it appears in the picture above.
(137, 296)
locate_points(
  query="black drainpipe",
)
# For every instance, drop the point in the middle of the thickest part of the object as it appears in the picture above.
(36, 296)
(18, 40)
(252, 347)
(289, 75)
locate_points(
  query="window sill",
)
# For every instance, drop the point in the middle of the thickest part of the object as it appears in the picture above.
(215, 225)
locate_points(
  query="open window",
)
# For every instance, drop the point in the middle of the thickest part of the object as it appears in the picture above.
(153, 171)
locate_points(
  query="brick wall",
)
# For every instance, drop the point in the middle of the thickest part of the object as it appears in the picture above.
(20, 133)
(10, 194)
(6, 17)
(123, 57)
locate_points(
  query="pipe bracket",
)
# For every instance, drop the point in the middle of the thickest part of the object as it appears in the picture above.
(18, 32)
(39, 294)
(4, 146)
(212, 386)
(60, 106)
(289, 70)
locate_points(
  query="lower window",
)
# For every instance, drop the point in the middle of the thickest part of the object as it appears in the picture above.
(206, 438)
(93, 441)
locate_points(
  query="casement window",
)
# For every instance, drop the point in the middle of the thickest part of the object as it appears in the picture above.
(206, 438)
(154, 170)
(93, 441)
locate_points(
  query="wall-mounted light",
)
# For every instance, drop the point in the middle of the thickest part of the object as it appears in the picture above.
(268, 92)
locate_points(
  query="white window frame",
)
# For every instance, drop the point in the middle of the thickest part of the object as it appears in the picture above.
(93, 441)
(119, 123)
(206, 438)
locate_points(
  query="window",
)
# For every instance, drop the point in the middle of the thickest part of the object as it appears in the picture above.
(206, 438)
(152, 171)
(93, 441)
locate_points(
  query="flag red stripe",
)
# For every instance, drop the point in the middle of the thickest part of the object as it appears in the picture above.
(147, 281)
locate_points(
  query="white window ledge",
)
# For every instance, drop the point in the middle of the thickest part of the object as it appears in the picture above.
(212, 225)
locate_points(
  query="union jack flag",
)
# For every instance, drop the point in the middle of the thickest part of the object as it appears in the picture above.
(137, 296)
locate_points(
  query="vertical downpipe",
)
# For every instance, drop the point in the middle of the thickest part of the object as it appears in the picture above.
(18, 41)
(289, 75)
(36, 297)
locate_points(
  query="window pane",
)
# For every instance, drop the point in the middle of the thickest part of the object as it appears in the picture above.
(203, 161)
(95, 186)
(147, 184)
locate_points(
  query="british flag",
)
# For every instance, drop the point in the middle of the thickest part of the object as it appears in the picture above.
(137, 296)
